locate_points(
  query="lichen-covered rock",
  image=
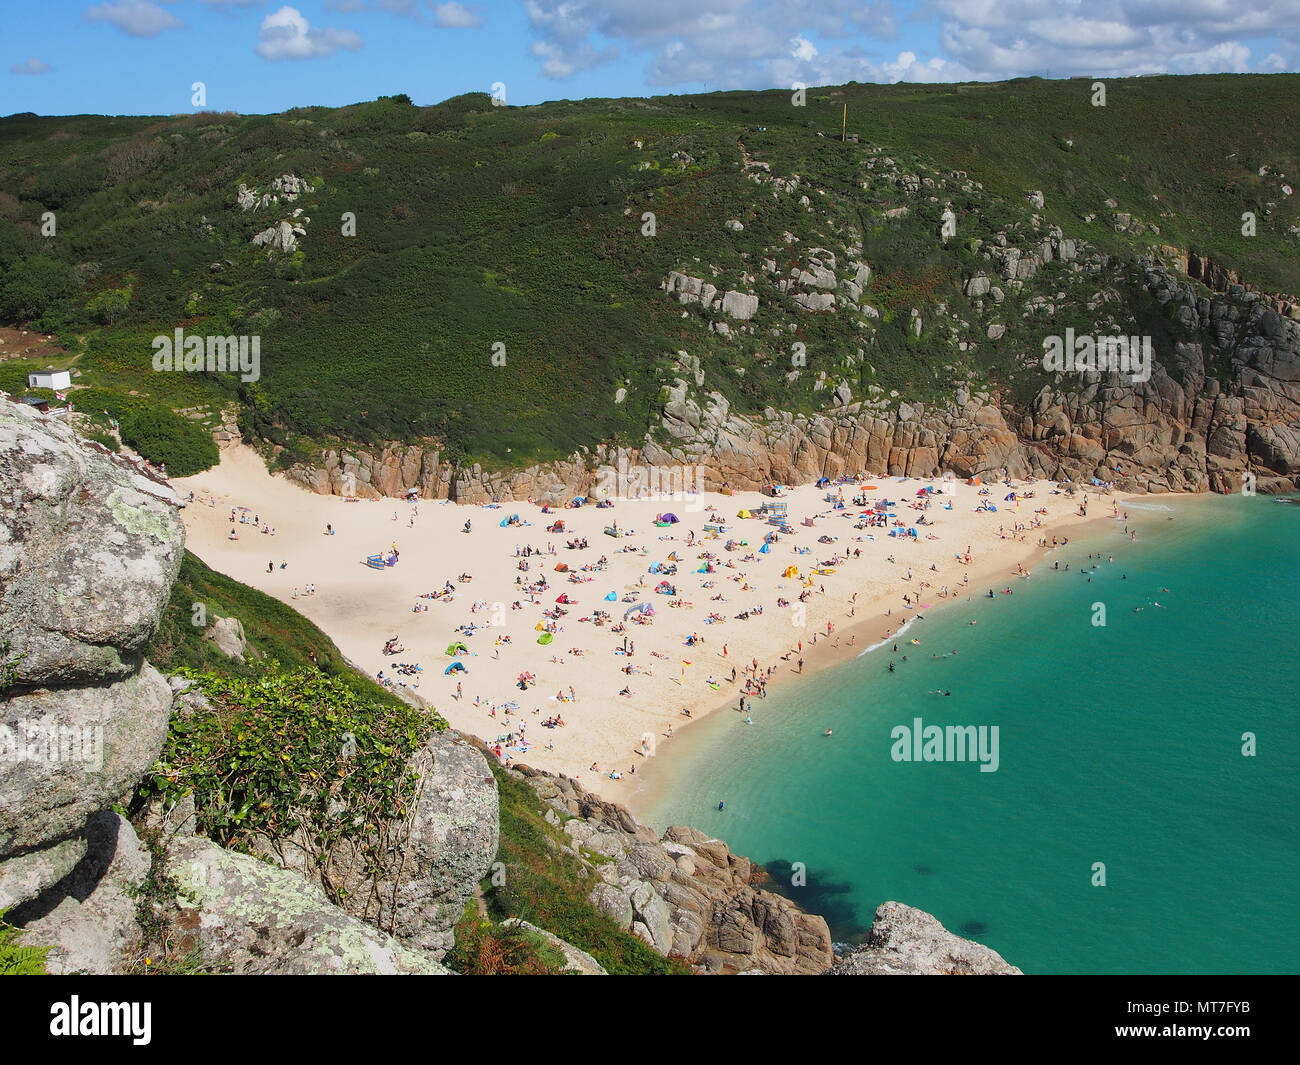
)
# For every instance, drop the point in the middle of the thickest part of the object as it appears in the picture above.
(26, 875)
(435, 858)
(89, 548)
(245, 916)
(908, 942)
(88, 919)
(84, 750)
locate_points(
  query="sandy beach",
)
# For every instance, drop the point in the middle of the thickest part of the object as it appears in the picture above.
(737, 609)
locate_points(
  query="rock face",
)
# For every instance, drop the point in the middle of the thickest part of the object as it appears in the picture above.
(907, 942)
(228, 635)
(685, 894)
(1223, 400)
(435, 859)
(88, 917)
(89, 547)
(249, 917)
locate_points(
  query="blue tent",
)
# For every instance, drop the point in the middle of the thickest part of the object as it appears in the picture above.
(455, 667)
(767, 546)
(611, 597)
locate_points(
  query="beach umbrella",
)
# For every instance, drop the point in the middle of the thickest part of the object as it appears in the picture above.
(545, 638)
(767, 546)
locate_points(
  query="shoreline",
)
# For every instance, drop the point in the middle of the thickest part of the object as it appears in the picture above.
(360, 608)
(647, 793)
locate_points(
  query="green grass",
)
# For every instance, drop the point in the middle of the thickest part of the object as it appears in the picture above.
(272, 629)
(543, 885)
(478, 225)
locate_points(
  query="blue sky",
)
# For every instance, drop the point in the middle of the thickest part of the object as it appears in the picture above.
(142, 56)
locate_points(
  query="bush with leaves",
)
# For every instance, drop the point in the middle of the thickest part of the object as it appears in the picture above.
(18, 960)
(293, 754)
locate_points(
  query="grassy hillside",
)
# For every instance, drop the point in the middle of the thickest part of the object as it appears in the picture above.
(478, 225)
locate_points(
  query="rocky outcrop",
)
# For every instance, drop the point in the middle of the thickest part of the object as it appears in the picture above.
(244, 916)
(88, 918)
(228, 635)
(907, 942)
(89, 547)
(1223, 401)
(684, 894)
(433, 860)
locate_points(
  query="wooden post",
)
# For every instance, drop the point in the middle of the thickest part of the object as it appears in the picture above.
(844, 125)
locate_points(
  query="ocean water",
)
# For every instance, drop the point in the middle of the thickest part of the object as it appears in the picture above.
(1119, 744)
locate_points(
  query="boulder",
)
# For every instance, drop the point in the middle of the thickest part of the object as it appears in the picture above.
(88, 919)
(228, 635)
(84, 749)
(89, 547)
(245, 916)
(908, 942)
(579, 962)
(436, 858)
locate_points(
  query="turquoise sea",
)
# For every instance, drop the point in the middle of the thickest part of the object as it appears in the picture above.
(1120, 744)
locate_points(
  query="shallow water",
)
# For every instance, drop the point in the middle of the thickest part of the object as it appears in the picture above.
(1119, 744)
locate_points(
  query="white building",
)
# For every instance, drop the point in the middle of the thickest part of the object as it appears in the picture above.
(57, 379)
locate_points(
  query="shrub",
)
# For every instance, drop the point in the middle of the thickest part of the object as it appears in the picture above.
(17, 960)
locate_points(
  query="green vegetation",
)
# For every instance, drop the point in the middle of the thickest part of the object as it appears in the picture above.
(159, 434)
(486, 948)
(8, 667)
(478, 225)
(292, 753)
(18, 960)
(272, 629)
(548, 888)
(166, 949)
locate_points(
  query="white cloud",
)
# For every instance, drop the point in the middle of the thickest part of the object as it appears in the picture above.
(1008, 38)
(803, 49)
(765, 43)
(455, 16)
(139, 18)
(286, 35)
(31, 66)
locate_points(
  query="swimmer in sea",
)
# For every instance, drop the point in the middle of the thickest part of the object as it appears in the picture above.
(719, 804)
(828, 732)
